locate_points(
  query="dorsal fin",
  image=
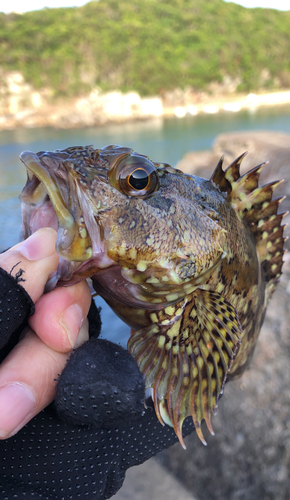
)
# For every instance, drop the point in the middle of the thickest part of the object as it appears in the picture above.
(256, 207)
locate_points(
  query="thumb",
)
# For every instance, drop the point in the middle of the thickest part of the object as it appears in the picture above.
(36, 257)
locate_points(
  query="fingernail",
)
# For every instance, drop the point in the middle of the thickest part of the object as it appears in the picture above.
(71, 320)
(39, 245)
(16, 404)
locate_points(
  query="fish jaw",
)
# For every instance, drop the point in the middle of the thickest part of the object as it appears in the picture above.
(52, 198)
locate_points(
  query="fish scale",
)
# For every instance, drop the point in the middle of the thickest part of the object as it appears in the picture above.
(188, 263)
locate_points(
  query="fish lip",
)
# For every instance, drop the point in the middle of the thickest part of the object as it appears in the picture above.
(39, 176)
(80, 257)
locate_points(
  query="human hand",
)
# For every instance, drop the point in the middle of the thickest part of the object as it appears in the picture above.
(28, 373)
(105, 428)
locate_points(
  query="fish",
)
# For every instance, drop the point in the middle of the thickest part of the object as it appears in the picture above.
(188, 263)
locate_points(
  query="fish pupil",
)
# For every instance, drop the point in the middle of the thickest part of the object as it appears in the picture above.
(139, 179)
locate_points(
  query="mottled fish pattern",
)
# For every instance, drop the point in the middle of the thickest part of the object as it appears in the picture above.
(188, 263)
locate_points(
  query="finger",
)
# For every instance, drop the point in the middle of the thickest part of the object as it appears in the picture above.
(37, 257)
(59, 315)
(28, 380)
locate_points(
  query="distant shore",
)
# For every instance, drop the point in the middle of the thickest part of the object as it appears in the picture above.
(233, 103)
(23, 106)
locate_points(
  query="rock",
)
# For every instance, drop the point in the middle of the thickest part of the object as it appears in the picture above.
(249, 457)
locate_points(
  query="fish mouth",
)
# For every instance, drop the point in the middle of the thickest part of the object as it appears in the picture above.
(53, 197)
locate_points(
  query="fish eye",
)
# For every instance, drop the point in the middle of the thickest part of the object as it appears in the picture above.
(137, 176)
(139, 179)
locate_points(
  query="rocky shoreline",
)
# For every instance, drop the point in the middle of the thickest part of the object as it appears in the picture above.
(23, 106)
(249, 457)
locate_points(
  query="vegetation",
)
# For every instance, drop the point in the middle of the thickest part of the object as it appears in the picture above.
(149, 46)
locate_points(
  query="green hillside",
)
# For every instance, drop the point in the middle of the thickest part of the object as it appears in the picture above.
(149, 46)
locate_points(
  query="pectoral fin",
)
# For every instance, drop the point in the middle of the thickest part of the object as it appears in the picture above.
(185, 358)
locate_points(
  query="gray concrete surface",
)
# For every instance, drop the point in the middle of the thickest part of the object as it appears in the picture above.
(152, 481)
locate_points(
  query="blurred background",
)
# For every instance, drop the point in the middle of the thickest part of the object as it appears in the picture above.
(183, 82)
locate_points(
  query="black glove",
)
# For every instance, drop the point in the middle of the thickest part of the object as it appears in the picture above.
(104, 428)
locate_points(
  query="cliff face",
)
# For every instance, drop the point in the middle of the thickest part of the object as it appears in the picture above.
(22, 105)
(249, 457)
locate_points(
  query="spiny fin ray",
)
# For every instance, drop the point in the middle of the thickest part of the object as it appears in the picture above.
(256, 206)
(187, 361)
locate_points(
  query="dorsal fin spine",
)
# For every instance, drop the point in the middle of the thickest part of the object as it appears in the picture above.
(232, 173)
(256, 207)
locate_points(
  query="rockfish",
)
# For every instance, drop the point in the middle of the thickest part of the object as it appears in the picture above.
(188, 263)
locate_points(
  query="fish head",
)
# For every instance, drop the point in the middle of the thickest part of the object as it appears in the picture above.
(133, 224)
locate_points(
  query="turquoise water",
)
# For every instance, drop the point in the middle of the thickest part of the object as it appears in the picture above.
(162, 140)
